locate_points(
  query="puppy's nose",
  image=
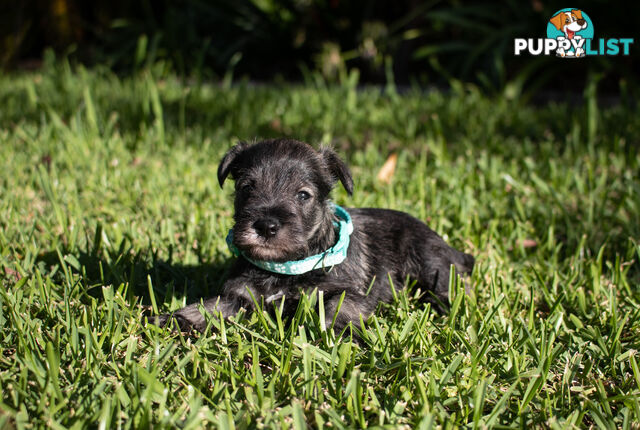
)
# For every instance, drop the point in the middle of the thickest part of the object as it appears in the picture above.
(581, 22)
(267, 227)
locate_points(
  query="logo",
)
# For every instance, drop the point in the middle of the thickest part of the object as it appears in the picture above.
(572, 26)
(570, 35)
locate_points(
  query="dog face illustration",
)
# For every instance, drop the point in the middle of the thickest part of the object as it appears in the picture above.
(569, 22)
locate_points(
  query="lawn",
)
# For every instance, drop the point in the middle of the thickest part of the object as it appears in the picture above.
(110, 210)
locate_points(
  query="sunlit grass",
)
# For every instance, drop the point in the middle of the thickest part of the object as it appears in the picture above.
(108, 193)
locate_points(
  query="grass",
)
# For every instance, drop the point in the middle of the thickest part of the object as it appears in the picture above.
(110, 209)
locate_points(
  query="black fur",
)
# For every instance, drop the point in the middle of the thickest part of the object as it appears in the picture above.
(282, 213)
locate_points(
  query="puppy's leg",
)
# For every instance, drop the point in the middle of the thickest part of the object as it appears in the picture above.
(190, 317)
(350, 310)
(233, 298)
(433, 277)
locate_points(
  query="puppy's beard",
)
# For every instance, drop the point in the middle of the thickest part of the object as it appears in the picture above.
(282, 247)
(295, 239)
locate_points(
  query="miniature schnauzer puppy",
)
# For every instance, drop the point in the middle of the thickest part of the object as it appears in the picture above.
(283, 216)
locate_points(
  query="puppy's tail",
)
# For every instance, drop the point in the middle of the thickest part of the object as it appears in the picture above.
(468, 262)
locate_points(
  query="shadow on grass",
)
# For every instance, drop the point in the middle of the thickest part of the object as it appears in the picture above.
(170, 280)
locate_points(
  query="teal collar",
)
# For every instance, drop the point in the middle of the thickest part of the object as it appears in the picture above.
(332, 256)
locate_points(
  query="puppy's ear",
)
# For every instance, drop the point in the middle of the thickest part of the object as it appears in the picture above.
(577, 13)
(228, 160)
(337, 168)
(558, 20)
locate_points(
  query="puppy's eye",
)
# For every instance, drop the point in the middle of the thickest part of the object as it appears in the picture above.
(567, 21)
(303, 196)
(246, 188)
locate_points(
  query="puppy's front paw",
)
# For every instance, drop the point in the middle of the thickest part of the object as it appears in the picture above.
(168, 320)
(160, 320)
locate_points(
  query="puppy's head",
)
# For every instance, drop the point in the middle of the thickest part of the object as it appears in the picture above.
(569, 22)
(282, 187)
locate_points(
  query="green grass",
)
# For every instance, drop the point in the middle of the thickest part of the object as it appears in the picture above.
(110, 208)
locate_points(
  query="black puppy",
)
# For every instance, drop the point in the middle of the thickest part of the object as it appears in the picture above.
(289, 237)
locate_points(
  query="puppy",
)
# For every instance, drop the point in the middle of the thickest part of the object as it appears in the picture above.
(569, 23)
(290, 238)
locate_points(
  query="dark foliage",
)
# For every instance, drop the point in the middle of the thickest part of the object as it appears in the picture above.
(433, 42)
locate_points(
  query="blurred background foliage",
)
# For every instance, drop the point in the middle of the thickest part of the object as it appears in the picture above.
(405, 42)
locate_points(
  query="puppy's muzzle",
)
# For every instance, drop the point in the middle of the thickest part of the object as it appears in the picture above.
(267, 227)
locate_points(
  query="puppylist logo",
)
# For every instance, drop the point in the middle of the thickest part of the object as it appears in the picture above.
(570, 35)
